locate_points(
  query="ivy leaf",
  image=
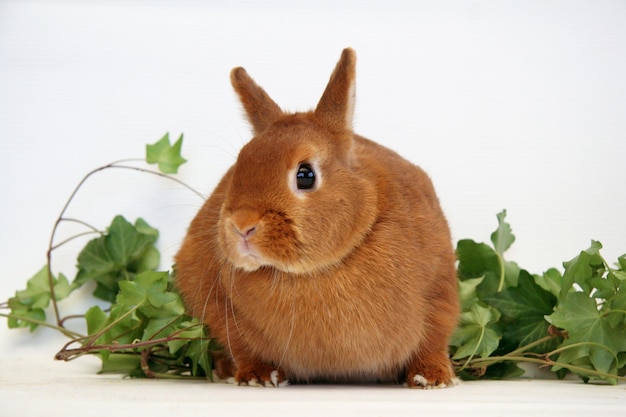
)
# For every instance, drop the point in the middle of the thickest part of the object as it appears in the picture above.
(617, 306)
(27, 306)
(126, 243)
(168, 157)
(189, 329)
(95, 319)
(120, 363)
(475, 335)
(467, 292)
(479, 260)
(122, 252)
(149, 316)
(148, 292)
(503, 237)
(524, 309)
(198, 351)
(551, 281)
(587, 265)
(526, 300)
(25, 317)
(526, 331)
(590, 333)
(158, 327)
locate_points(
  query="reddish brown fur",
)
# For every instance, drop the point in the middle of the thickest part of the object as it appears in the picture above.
(356, 280)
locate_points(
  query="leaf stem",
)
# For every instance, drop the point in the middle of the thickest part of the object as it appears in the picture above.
(575, 345)
(92, 338)
(66, 354)
(52, 246)
(69, 333)
(69, 239)
(502, 272)
(529, 346)
(470, 357)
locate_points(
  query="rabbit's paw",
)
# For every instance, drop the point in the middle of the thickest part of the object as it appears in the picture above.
(261, 376)
(432, 371)
(420, 381)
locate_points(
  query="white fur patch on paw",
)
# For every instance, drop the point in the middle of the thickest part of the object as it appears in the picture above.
(421, 381)
(272, 383)
(255, 383)
(229, 380)
(275, 382)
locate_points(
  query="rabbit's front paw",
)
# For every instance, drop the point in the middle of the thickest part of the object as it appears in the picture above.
(432, 371)
(261, 375)
(420, 381)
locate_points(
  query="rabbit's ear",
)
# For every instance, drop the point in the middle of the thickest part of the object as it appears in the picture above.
(336, 107)
(260, 109)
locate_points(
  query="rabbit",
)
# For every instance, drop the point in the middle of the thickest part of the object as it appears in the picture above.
(321, 256)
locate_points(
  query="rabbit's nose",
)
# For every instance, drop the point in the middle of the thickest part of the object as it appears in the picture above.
(247, 232)
(245, 222)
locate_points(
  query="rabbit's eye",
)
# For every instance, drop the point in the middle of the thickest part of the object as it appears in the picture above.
(305, 177)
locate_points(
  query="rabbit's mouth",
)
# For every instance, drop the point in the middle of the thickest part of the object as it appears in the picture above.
(247, 256)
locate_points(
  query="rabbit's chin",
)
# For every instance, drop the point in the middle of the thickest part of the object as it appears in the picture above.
(251, 263)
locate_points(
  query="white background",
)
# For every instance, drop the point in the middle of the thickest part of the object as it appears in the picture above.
(511, 104)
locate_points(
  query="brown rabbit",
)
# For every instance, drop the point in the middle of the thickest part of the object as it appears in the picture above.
(321, 255)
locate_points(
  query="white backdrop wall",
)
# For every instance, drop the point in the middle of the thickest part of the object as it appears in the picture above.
(506, 104)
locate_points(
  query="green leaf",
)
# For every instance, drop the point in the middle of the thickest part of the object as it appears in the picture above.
(617, 308)
(122, 252)
(620, 275)
(142, 227)
(27, 306)
(189, 329)
(588, 264)
(62, 287)
(590, 333)
(475, 335)
(467, 292)
(526, 331)
(198, 351)
(25, 317)
(37, 292)
(149, 292)
(551, 281)
(527, 300)
(524, 307)
(603, 287)
(159, 327)
(168, 157)
(504, 370)
(478, 260)
(503, 237)
(124, 325)
(125, 243)
(95, 319)
(120, 363)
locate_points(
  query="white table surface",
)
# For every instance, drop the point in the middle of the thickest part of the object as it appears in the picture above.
(33, 384)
